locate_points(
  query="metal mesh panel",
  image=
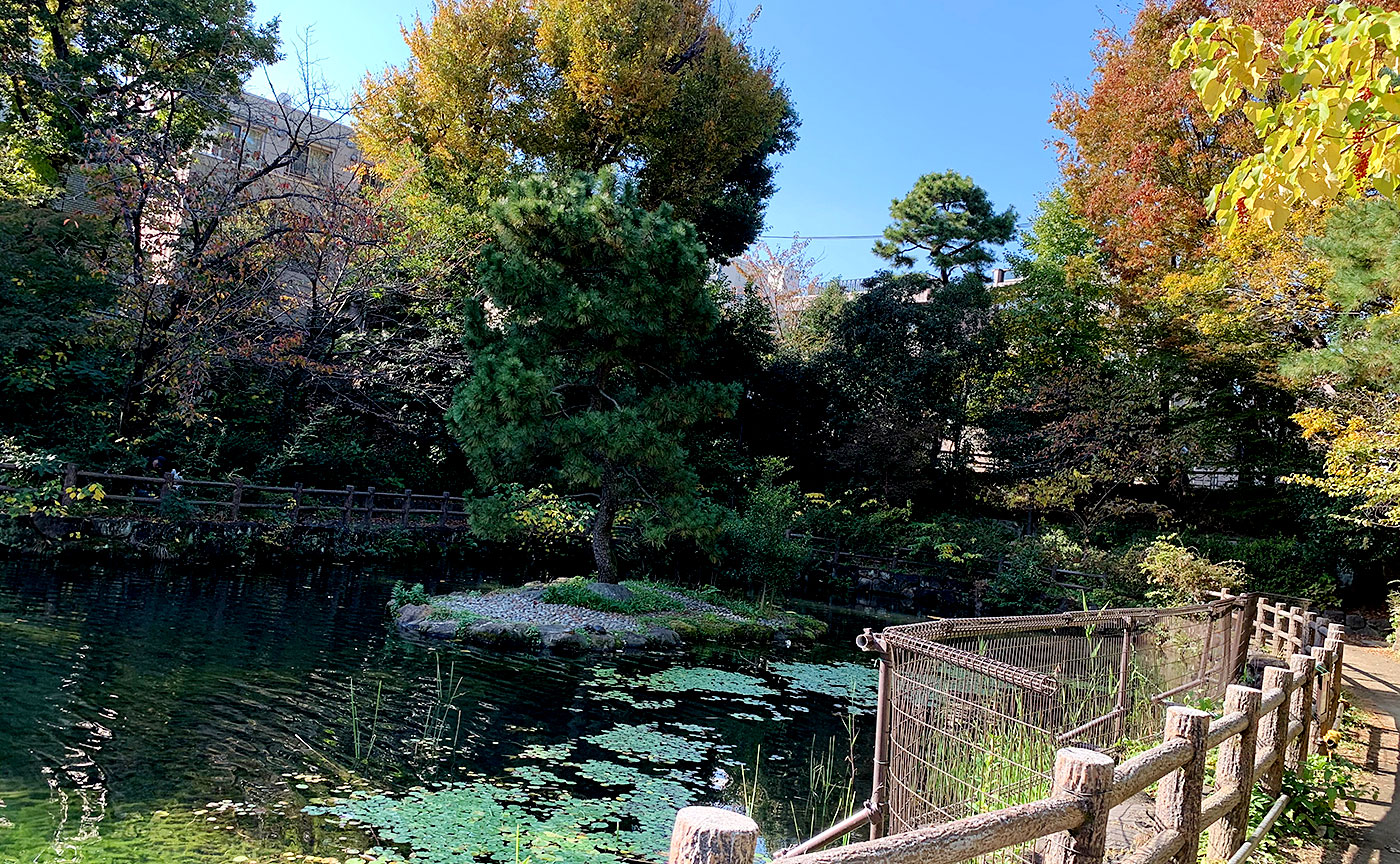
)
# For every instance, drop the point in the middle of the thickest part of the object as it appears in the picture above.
(978, 707)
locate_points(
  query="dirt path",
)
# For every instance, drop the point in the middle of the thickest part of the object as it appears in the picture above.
(1372, 677)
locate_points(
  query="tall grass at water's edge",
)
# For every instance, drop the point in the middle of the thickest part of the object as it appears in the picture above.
(355, 722)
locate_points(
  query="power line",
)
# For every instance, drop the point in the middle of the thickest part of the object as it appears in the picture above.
(821, 237)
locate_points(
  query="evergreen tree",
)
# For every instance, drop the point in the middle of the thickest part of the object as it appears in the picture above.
(949, 218)
(594, 313)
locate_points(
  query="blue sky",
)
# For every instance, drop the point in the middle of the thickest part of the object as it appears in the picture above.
(887, 90)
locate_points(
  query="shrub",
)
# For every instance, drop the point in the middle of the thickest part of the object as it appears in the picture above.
(1283, 565)
(405, 595)
(1180, 575)
(756, 543)
(535, 517)
(1325, 782)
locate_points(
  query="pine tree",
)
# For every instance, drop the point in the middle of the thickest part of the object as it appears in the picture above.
(594, 310)
(949, 218)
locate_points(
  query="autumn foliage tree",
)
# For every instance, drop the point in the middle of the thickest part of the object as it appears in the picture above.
(495, 89)
(1324, 100)
(1140, 153)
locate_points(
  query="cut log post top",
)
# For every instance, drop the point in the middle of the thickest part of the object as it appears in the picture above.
(710, 835)
(1086, 776)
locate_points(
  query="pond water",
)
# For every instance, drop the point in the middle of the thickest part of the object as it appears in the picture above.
(172, 715)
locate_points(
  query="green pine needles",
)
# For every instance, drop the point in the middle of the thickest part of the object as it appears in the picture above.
(593, 311)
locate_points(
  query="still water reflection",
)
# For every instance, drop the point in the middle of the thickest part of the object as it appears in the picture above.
(165, 715)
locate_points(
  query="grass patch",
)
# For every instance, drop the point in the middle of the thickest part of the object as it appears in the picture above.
(575, 592)
(660, 604)
(463, 617)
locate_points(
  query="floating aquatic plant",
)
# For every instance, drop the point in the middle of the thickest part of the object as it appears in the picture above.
(469, 822)
(680, 679)
(854, 682)
(646, 743)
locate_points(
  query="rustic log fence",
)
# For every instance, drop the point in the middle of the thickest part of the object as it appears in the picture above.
(1259, 733)
(237, 500)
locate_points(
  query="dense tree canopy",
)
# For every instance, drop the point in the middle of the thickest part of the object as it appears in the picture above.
(496, 88)
(1322, 98)
(78, 73)
(593, 308)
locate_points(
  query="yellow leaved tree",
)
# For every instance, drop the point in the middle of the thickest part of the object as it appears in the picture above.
(494, 89)
(1325, 103)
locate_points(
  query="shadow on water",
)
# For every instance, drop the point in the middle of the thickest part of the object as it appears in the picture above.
(200, 715)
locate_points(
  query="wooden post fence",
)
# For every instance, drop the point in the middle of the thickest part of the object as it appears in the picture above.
(1086, 777)
(1179, 794)
(1273, 731)
(1260, 734)
(1300, 707)
(1244, 636)
(237, 499)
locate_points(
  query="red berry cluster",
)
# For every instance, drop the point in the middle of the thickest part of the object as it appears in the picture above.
(1366, 93)
(1241, 211)
(1362, 166)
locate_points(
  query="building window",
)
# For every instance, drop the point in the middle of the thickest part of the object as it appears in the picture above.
(227, 140)
(252, 148)
(233, 140)
(311, 162)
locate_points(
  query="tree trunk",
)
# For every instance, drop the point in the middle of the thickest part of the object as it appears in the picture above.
(602, 528)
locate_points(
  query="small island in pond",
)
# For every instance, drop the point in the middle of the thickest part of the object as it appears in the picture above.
(575, 616)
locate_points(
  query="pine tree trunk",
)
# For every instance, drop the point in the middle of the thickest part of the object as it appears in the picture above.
(602, 528)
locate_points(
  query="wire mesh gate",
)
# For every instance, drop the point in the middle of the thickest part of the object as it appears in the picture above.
(976, 708)
(971, 711)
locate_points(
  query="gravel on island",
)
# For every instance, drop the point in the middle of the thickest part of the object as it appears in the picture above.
(524, 606)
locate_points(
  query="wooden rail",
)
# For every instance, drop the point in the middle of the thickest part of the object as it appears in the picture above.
(237, 500)
(1260, 733)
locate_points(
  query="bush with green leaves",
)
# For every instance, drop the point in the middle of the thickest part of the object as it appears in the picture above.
(407, 595)
(756, 544)
(536, 517)
(1296, 566)
(1181, 575)
(1327, 782)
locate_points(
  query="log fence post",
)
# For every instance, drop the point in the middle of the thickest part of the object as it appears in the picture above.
(1245, 637)
(1300, 708)
(407, 502)
(1273, 730)
(1295, 630)
(1276, 643)
(70, 480)
(369, 505)
(236, 503)
(1179, 794)
(1335, 635)
(349, 503)
(1086, 776)
(1320, 676)
(710, 835)
(296, 504)
(1235, 772)
(442, 514)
